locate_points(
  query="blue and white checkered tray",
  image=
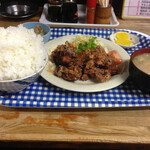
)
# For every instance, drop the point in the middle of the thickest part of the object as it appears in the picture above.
(43, 94)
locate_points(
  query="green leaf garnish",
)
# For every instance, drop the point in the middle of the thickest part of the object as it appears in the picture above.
(86, 45)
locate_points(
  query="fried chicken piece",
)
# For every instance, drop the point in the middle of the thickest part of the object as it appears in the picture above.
(63, 54)
(71, 73)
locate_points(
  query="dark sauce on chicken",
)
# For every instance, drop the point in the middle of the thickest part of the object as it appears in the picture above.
(93, 64)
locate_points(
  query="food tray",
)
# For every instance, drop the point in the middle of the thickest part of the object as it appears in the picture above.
(43, 94)
(81, 20)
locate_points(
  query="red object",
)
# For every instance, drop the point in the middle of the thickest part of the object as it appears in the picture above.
(91, 3)
(90, 14)
(118, 58)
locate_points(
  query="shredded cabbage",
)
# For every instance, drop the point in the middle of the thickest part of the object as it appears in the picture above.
(83, 42)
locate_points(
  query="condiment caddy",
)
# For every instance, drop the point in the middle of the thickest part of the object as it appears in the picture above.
(81, 19)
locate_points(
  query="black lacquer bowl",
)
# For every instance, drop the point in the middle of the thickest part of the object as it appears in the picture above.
(140, 78)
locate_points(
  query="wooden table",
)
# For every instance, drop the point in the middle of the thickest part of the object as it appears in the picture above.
(76, 128)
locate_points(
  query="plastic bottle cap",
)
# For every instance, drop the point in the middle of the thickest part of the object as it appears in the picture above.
(91, 3)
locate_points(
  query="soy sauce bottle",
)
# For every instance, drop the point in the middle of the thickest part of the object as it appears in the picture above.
(54, 10)
(69, 11)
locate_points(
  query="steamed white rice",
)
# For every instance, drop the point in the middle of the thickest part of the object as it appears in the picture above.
(21, 52)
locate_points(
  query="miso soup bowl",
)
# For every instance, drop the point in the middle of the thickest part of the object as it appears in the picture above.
(140, 78)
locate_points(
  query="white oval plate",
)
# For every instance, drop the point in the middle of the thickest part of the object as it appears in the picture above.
(87, 86)
(135, 40)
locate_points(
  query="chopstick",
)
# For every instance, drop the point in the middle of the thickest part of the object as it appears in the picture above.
(103, 3)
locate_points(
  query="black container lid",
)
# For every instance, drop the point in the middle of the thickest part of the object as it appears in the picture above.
(55, 2)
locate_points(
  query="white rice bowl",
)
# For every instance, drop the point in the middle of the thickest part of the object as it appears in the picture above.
(21, 52)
